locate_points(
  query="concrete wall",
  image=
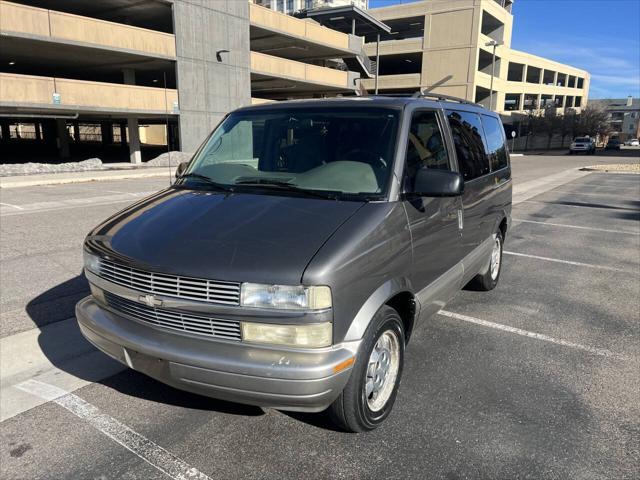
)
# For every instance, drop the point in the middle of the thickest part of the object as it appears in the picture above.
(59, 26)
(208, 88)
(81, 95)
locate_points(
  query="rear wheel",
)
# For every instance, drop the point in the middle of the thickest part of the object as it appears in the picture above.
(489, 279)
(368, 397)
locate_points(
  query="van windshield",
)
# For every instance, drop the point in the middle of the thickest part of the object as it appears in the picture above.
(344, 153)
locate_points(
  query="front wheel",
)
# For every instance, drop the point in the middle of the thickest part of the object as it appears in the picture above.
(368, 397)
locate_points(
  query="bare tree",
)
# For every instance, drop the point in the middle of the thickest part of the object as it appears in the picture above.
(569, 125)
(594, 121)
(551, 124)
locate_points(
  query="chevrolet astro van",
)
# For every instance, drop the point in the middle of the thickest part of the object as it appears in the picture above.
(295, 254)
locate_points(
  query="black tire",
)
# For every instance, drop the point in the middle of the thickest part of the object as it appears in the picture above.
(487, 281)
(351, 411)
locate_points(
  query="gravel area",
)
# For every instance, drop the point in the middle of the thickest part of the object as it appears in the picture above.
(170, 158)
(18, 169)
(620, 167)
(11, 169)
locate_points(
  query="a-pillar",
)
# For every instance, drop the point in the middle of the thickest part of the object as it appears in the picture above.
(62, 138)
(134, 140)
(38, 130)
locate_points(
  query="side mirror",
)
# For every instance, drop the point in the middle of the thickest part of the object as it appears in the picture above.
(438, 183)
(182, 166)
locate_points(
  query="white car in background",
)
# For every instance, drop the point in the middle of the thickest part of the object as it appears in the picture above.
(583, 145)
(632, 142)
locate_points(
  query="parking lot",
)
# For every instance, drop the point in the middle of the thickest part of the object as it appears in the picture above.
(539, 378)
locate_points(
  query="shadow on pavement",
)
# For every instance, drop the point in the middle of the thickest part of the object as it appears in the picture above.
(65, 347)
(58, 303)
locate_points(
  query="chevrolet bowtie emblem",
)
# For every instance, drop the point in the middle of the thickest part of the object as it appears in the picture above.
(150, 300)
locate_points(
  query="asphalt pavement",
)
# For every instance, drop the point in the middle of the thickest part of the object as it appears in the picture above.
(536, 379)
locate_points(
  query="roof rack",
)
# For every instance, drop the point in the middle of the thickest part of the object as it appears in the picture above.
(446, 98)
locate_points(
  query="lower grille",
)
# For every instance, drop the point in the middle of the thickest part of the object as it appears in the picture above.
(175, 320)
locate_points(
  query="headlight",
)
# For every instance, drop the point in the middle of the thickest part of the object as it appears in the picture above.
(91, 262)
(285, 297)
(313, 335)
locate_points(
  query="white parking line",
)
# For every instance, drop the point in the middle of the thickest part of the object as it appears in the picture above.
(144, 448)
(567, 262)
(601, 194)
(564, 225)
(538, 336)
(12, 206)
(39, 207)
(586, 205)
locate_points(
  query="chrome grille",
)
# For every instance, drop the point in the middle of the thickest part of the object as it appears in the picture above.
(175, 320)
(227, 293)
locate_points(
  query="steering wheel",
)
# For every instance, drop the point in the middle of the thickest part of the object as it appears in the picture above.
(366, 156)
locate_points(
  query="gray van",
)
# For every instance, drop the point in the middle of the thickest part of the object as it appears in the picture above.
(295, 254)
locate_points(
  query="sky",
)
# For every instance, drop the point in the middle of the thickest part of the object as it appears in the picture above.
(600, 36)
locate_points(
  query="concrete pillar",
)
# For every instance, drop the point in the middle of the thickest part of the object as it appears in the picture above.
(76, 131)
(106, 132)
(6, 131)
(134, 140)
(62, 139)
(123, 134)
(172, 137)
(129, 76)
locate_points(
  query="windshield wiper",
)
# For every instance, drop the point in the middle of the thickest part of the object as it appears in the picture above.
(208, 181)
(290, 187)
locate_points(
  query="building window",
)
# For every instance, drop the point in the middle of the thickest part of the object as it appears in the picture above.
(280, 6)
(578, 101)
(580, 82)
(512, 101)
(308, 4)
(289, 6)
(516, 72)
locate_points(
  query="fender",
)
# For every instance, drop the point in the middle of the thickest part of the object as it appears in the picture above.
(377, 299)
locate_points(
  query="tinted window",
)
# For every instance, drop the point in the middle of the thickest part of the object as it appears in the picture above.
(466, 130)
(425, 146)
(495, 142)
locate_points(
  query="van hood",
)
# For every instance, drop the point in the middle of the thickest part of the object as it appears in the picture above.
(234, 237)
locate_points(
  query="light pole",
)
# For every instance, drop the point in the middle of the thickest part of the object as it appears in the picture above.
(494, 44)
(377, 61)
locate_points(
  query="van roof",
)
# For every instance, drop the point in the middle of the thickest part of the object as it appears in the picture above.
(388, 101)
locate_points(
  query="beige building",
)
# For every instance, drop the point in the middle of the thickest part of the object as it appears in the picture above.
(447, 47)
(125, 70)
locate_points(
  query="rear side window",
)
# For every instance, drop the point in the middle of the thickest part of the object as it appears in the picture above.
(495, 142)
(425, 146)
(466, 130)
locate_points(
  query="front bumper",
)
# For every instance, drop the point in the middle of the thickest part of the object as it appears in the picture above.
(286, 379)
